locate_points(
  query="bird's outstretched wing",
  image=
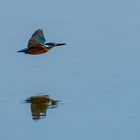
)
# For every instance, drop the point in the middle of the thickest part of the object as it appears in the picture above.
(37, 39)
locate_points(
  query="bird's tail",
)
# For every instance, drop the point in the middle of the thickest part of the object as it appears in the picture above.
(23, 50)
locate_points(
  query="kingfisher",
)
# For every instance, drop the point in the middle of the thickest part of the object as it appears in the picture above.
(37, 44)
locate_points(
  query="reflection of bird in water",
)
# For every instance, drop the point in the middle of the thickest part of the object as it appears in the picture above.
(37, 44)
(39, 105)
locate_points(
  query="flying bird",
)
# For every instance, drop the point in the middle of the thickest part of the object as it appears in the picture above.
(37, 44)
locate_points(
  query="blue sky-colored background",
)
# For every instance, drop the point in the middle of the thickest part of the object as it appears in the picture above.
(96, 75)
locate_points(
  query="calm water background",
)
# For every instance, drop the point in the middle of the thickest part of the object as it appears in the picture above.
(96, 76)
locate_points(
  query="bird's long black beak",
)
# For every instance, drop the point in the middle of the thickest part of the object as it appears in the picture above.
(60, 44)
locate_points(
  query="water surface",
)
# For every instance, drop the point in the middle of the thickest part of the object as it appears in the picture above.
(96, 76)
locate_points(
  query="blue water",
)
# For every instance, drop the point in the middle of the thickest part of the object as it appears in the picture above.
(96, 75)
